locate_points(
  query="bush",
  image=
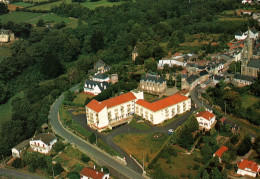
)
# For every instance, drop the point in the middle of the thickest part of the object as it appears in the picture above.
(189, 167)
(57, 168)
(32, 167)
(73, 175)
(58, 146)
(196, 167)
(85, 158)
(17, 163)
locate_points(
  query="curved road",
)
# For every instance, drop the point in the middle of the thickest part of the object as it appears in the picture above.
(84, 145)
(18, 174)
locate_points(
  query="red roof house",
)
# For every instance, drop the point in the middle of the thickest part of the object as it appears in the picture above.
(220, 152)
(90, 173)
(247, 167)
(205, 119)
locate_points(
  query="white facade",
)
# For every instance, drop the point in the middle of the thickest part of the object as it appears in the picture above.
(95, 90)
(41, 147)
(170, 63)
(157, 117)
(205, 120)
(16, 153)
(246, 172)
(241, 37)
(246, 1)
(102, 114)
(237, 56)
(106, 176)
(247, 167)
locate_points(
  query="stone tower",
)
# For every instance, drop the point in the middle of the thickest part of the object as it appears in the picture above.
(246, 54)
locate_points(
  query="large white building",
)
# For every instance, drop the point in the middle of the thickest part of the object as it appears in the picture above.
(118, 110)
(112, 112)
(43, 142)
(159, 111)
(247, 167)
(205, 119)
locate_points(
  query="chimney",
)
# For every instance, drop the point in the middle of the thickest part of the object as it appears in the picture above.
(97, 172)
(146, 75)
(94, 167)
(101, 169)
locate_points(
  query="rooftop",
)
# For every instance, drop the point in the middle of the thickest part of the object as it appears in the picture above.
(45, 137)
(92, 173)
(243, 77)
(163, 103)
(206, 115)
(155, 78)
(101, 76)
(248, 165)
(22, 145)
(220, 151)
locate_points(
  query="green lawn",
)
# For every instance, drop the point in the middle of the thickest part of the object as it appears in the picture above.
(81, 98)
(22, 4)
(249, 100)
(140, 126)
(47, 7)
(19, 16)
(102, 3)
(6, 109)
(51, 18)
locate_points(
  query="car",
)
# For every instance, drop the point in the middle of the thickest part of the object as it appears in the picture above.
(170, 131)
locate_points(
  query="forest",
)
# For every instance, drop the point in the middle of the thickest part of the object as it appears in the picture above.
(47, 61)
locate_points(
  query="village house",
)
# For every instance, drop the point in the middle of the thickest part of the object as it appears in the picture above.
(240, 36)
(161, 110)
(206, 119)
(101, 66)
(112, 112)
(220, 152)
(242, 80)
(43, 142)
(94, 87)
(247, 167)
(92, 173)
(101, 77)
(190, 82)
(153, 84)
(18, 149)
(253, 33)
(247, 1)
(6, 36)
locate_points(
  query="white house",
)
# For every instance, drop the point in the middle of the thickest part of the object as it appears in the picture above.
(90, 173)
(205, 119)
(246, 1)
(112, 112)
(240, 36)
(101, 77)
(253, 33)
(6, 36)
(247, 167)
(94, 87)
(220, 152)
(43, 142)
(18, 149)
(161, 110)
(171, 63)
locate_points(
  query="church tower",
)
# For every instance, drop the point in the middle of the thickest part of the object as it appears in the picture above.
(246, 54)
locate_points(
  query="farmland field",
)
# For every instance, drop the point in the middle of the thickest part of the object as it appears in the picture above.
(22, 4)
(19, 16)
(47, 7)
(102, 3)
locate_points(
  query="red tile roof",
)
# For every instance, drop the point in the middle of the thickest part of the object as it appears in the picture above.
(223, 119)
(95, 105)
(177, 54)
(220, 151)
(247, 164)
(163, 103)
(98, 106)
(91, 173)
(205, 114)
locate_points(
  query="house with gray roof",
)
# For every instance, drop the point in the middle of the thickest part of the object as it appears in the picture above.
(153, 83)
(101, 66)
(18, 149)
(43, 142)
(101, 77)
(95, 87)
(242, 80)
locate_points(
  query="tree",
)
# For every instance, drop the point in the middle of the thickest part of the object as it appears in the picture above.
(245, 146)
(205, 175)
(233, 100)
(69, 96)
(17, 163)
(206, 152)
(185, 139)
(57, 168)
(92, 138)
(150, 65)
(234, 67)
(192, 124)
(85, 158)
(73, 175)
(58, 146)
(97, 41)
(40, 23)
(216, 173)
(3, 8)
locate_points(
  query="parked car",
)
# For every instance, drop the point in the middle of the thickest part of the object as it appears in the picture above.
(170, 131)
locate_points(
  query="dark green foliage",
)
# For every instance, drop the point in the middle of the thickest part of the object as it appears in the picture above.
(167, 152)
(158, 173)
(3, 8)
(196, 167)
(17, 163)
(234, 67)
(206, 152)
(192, 125)
(73, 175)
(97, 41)
(32, 167)
(92, 138)
(85, 158)
(216, 173)
(57, 168)
(234, 139)
(185, 139)
(245, 146)
(205, 175)
(58, 146)
(60, 25)
(40, 23)
(69, 96)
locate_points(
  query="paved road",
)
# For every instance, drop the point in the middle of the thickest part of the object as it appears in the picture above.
(85, 146)
(18, 174)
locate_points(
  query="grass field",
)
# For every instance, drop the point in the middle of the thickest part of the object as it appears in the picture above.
(19, 16)
(102, 3)
(249, 100)
(48, 6)
(139, 145)
(81, 98)
(140, 126)
(178, 166)
(6, 109)
(232, 19)
(23, 4)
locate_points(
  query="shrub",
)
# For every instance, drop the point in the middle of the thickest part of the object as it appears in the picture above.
(85, 158)
(189, 167)
(17, 163)
(57, 168)
(58, 146)
(196, 167)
